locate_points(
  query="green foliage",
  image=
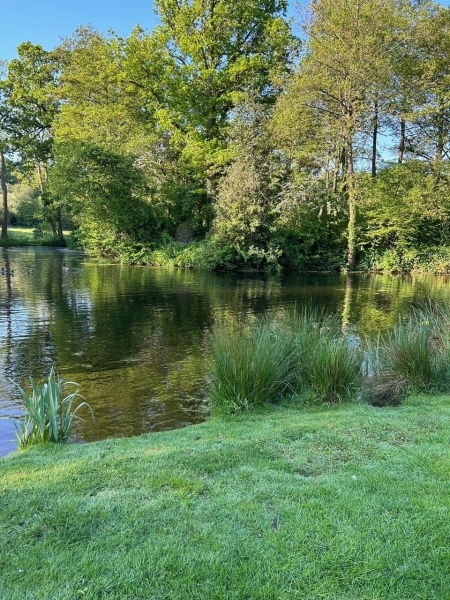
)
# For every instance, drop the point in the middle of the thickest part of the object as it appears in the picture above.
(309, 353)
(192, 70)
(409, 352)
(48, 416)
(31, 104)
(107, 196)
(406, 208)
(24, 206)
(214, 121)
(311, 219)
(249, 364)
(434, 259)
(245, 208)
(412, 356)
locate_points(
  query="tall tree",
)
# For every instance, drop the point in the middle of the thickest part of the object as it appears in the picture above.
(4, 190)
(30, 105)
(248, 194)
(3, 149)
(341, 75)
(433, 117)
(191, 71)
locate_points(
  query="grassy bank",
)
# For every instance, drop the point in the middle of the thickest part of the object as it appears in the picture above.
(27, 236)
(349, 502)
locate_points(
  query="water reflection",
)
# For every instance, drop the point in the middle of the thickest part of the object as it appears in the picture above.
(132, 336)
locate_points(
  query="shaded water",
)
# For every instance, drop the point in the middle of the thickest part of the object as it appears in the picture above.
(132, 337)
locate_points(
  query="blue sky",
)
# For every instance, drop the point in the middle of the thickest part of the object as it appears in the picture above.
(45, 22)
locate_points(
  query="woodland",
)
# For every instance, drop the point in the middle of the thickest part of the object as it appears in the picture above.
(230, 137)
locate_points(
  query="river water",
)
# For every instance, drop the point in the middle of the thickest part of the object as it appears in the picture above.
(133, 337)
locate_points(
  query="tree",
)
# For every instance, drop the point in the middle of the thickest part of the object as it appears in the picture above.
(165, 99)
(248, 193)
(344, 69)
(106, 194)
(192, 69)
(433, 117)
(30, 105)
(3, 148)
(4, 189)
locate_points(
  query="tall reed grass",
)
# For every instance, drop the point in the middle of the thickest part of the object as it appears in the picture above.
(412, 356)
(48, 414)
(328, 360)
(261, 361)
(255, 362)
(249, 363)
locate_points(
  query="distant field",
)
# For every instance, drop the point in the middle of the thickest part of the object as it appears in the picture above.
(21, 236)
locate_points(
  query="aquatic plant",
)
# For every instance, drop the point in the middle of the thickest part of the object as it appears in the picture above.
(48, 414)
(329, 360)
(266, 359)
(249, 363)
(333, 369)
(412, 356)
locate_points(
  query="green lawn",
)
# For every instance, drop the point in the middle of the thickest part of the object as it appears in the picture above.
(25, 236)
(345, 503)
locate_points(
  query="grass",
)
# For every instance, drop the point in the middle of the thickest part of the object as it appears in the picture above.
(259, 361)
(48, 414)
(310, 353)
(249, 364)
(347, 502)
(29, 236)
(413, 356)
(264, 360)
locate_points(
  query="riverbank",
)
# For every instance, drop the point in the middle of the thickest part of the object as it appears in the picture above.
(20, 237)
(211, 255)
(344, 502)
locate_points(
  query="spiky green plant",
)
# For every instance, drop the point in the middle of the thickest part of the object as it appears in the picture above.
(411, 356)
(48, 414)
(409, 353)
(328, 358)
(333, 368)
(249, 363)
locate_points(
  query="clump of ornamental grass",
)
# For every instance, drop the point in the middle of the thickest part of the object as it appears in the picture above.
(48, 412)
(413, 356)
(409, 353)
(333, 368)
(437, 317)
(328, 359)
(257, 362)
(249, 364)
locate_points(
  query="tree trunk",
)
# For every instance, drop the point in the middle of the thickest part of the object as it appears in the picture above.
(401, 144)
(59, 226)
(374, 140)
(440, 134)
(4, 189)
(351, 201)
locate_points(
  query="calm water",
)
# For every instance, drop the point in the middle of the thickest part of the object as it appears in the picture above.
(132, 337)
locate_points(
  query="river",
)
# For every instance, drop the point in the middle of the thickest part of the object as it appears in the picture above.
(133, 337)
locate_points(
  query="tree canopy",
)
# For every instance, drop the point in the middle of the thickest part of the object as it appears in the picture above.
(221, 127)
